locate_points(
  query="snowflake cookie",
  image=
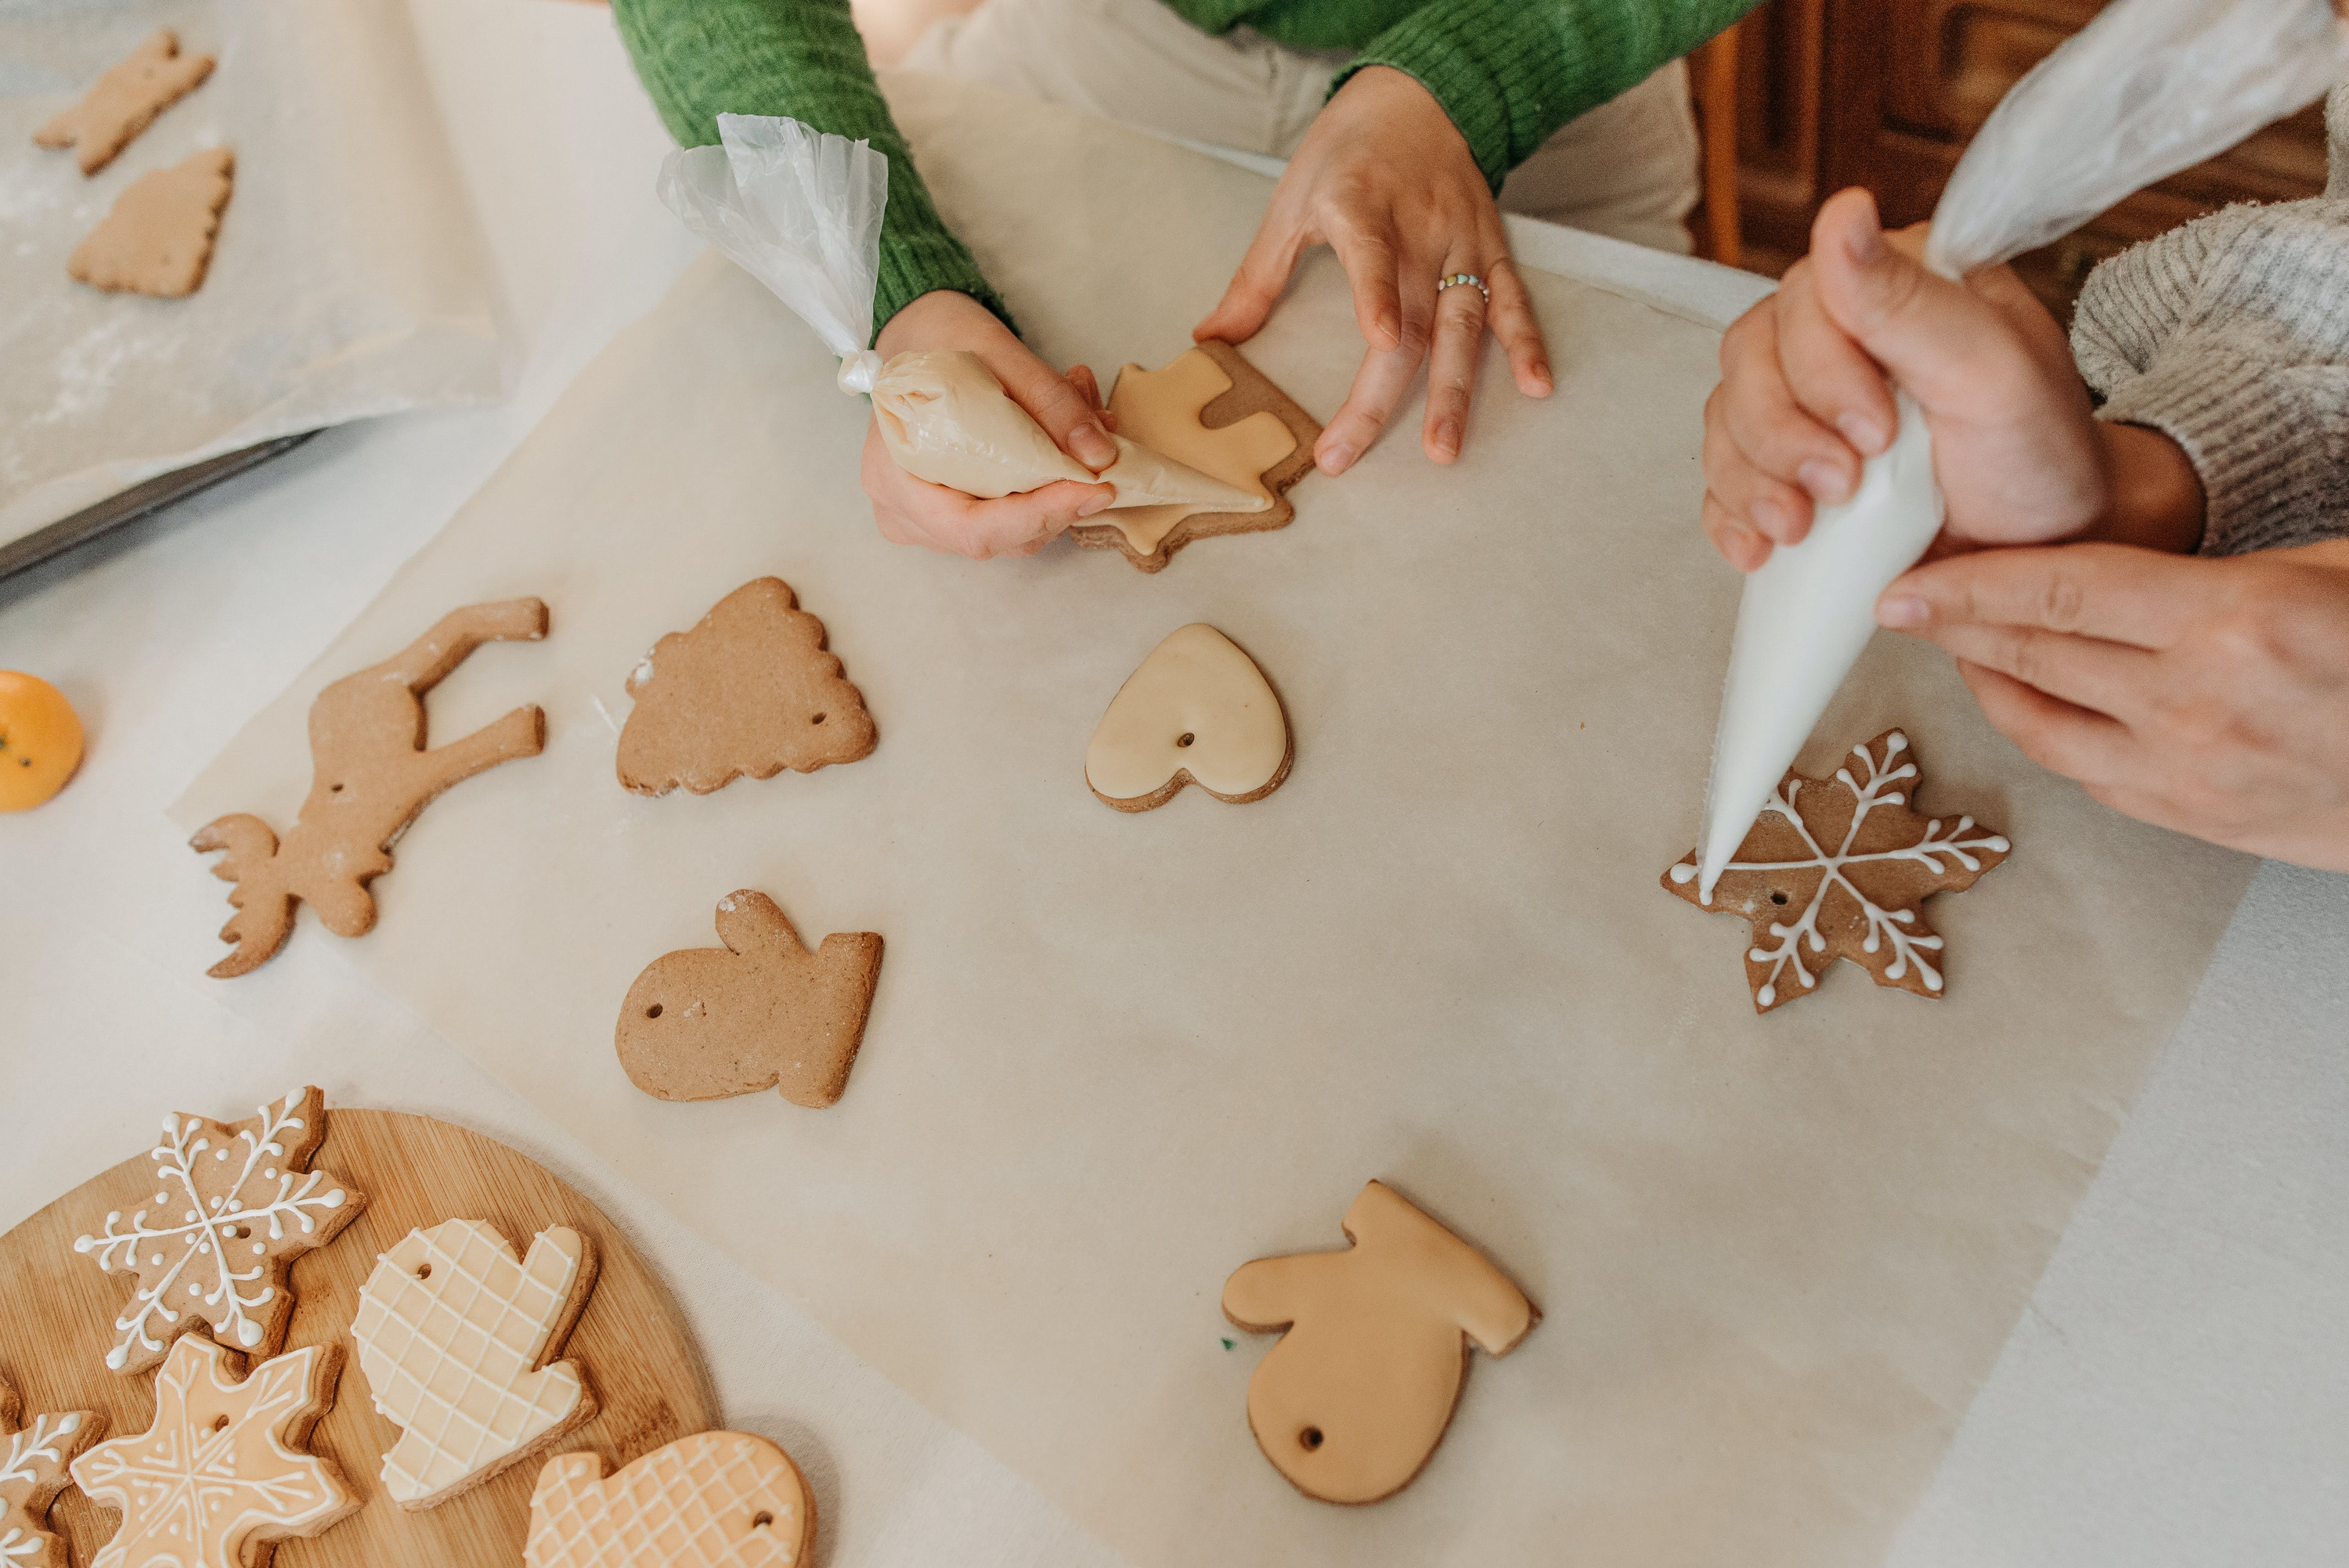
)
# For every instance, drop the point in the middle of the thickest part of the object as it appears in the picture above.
(220, 1476)
(33, 1461)
(235, 1205)
(1811, 905)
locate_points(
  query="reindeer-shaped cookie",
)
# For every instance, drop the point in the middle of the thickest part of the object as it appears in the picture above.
(1357, 1394)
(371, 774)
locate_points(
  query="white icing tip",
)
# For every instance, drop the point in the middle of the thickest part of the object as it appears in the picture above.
(1998, 844)
(71, 1423)
(1683, 873)
(117, 1356)
(248, 1333)
(82, 1243)
(332, 1199)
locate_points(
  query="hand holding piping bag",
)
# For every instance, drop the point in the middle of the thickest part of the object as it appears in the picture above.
(976, 447)
(2148, 87)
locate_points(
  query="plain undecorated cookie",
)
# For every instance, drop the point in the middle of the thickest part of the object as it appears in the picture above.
(709, 1022)
(750, 690)
(158, 239)
(126, 100)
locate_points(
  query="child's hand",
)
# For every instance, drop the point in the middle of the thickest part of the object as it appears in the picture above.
(2211, 696)
(916, 512)
(1803, 397)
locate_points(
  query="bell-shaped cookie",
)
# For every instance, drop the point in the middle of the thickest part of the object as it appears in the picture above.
(1198, 711)
(1357, 1394)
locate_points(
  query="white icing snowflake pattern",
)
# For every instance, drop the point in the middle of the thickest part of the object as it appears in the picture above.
(1944, 850)
(218, 1474)
(228, 1194)
(32, 1469)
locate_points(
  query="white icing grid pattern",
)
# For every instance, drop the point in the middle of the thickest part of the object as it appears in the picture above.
(449, 1356)
(692, 1504)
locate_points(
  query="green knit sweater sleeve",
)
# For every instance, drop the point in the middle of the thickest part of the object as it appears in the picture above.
(803, 58)
(1509, 72)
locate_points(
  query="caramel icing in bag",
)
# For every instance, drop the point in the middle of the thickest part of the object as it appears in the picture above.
(800, 211)
(2148, 89)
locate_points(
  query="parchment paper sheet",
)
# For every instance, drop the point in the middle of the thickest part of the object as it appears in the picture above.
(1114, 1057)
(348, 279)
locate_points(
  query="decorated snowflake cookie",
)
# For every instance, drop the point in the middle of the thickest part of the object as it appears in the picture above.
(453, 1331)
(1836, 869)
(235, 1203)
(221, 1474)
(715, 1499)
(33, 1461)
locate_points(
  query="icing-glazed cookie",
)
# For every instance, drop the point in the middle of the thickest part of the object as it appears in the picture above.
(1210, 409)
(708, 1023)
(715, 1499)
(454, 1335)
(222, 1475)
(750, 690)
(370, 775)
(1836, 869)
(126, 100)
(40, 741)
(235, 1203)
(158, 237)
(1198, 711)
(33, 1461)
(1354, 1399)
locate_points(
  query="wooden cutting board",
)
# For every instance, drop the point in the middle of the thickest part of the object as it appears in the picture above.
(57, 1312)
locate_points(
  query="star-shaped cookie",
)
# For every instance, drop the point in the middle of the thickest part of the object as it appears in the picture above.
(1836, 869)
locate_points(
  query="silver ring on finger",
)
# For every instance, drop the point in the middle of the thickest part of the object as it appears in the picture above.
(1464, 280)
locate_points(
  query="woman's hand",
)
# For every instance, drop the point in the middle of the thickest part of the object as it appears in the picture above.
(2019, 455)
(2207, 696)
(1385, 180)
(916, 512)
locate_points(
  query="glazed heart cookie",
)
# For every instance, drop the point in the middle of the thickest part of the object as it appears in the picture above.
(1198, 711)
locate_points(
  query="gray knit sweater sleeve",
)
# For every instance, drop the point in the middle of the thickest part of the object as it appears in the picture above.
(2231, 336)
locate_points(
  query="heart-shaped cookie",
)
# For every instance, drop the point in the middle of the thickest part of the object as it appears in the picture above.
(1198, 711)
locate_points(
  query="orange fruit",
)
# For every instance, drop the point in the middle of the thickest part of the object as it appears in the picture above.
(40, 740)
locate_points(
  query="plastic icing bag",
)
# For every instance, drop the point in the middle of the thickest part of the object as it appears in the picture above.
(800, 211)
(2148, 89)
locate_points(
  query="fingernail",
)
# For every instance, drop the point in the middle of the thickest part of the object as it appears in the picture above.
(1338, 459)
(1093, 446)
(1865, 247)
(1094, 503)
(1863, 433)
(1824, 480)
(1447, 438)
(1775, 519)
(1903, 611)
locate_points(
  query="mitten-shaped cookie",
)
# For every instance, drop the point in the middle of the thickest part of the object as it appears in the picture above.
(122, 102)
(715, 1499)
(762, 1011)
(1357, 1394)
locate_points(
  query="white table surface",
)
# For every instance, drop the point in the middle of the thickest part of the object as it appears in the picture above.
(2176, 1392)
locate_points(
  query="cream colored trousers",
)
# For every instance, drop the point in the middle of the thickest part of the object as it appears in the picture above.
(1626, 169)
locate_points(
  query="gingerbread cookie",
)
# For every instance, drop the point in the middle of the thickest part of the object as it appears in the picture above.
(1211, 410)
(40, 741)
(708, 1023)
(750, 690)
(715, 1499)
(33, 1461)
(157, 238)
(454, 1335)
(235, 1203)
(1357, 1393)
(1198, 711)
(222, 1475)
(1811, 905)
(126, 100)
(370, 775)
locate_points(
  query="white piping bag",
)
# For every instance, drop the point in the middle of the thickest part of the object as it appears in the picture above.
(801, 211)
(2148, 89)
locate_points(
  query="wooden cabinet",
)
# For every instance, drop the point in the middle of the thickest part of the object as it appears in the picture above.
(1887, 93)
